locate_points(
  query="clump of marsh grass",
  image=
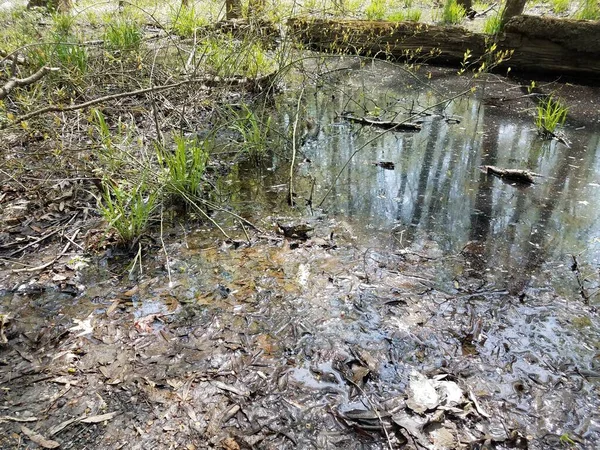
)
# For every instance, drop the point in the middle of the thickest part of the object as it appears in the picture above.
(453, 13)
(184, 167)
(550, 113)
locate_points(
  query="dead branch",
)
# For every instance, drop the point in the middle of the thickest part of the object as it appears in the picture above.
(386, 125)
(49, 263)
(13, 57)
(19, 82)
(207, 81)
(511, 175)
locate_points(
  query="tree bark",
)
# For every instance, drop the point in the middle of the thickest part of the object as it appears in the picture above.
(541, 45)
(511, 9)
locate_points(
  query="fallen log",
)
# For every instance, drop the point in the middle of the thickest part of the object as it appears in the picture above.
(384, 124)
(511, 175)
(541, 45)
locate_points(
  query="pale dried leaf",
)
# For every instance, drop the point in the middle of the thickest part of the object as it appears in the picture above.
(421, 393)
(100, 418)
(38, 438)
(230, 444)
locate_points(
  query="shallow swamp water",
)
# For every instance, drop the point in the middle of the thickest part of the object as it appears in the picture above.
(430, 306)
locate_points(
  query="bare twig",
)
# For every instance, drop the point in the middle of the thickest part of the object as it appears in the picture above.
(167, 264)
(60, 255)
(19, 82)
(209, 81)
(38, 240)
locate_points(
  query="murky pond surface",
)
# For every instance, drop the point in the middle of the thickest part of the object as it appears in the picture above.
(434, 306)
(436, 191)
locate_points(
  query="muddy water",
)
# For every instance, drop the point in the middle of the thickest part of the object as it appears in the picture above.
(483, 285)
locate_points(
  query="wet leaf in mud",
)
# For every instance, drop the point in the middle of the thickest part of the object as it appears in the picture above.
(477, 405)
(39, 439)
(450, 393)
(131, 292)
(413, 426)
(441, 437)
(113, 307)
(267, 343)
(422, 394)
(230, 444)
(227, 387)
(85, 326)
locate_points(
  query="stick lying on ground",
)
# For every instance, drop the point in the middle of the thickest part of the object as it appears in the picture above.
(511, 175)
(18, 82)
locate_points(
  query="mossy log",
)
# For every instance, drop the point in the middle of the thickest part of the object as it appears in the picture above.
(541, 45)
(511, 175)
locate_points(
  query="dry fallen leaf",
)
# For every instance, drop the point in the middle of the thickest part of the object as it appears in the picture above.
(100, 418)
(131, 292)
(38, 438)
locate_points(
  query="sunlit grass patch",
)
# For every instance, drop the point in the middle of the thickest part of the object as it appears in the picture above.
(123, 35)
(184, 167)
(550, 113)
(453, 13)
(560, 6)
(230, 57)
(588, 10)
(376, 10)
(185, 21)
(493, 24)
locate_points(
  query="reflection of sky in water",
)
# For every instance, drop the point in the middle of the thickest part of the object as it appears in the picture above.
(437, 191)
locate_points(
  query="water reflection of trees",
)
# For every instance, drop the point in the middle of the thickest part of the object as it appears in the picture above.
(437, 191)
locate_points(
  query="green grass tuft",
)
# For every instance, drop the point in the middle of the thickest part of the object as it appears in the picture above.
(453, 13)
(550, 113)
(493, 24)
(128, 211)
(184, 167)
(376, 10)
(123, 35)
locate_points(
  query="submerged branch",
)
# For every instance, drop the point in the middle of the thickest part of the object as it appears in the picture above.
(366, 144)
(511, 175)
(384, 124)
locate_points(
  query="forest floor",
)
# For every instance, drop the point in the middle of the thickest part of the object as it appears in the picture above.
(260, 340)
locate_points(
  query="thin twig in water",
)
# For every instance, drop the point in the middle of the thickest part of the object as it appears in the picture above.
(138, 257)
(293, 163)
(245, 231)
(167, 265)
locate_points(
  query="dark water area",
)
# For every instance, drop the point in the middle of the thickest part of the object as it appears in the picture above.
(436, 195)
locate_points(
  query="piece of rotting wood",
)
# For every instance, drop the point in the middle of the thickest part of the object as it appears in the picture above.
(384, 124)
(519, 176)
